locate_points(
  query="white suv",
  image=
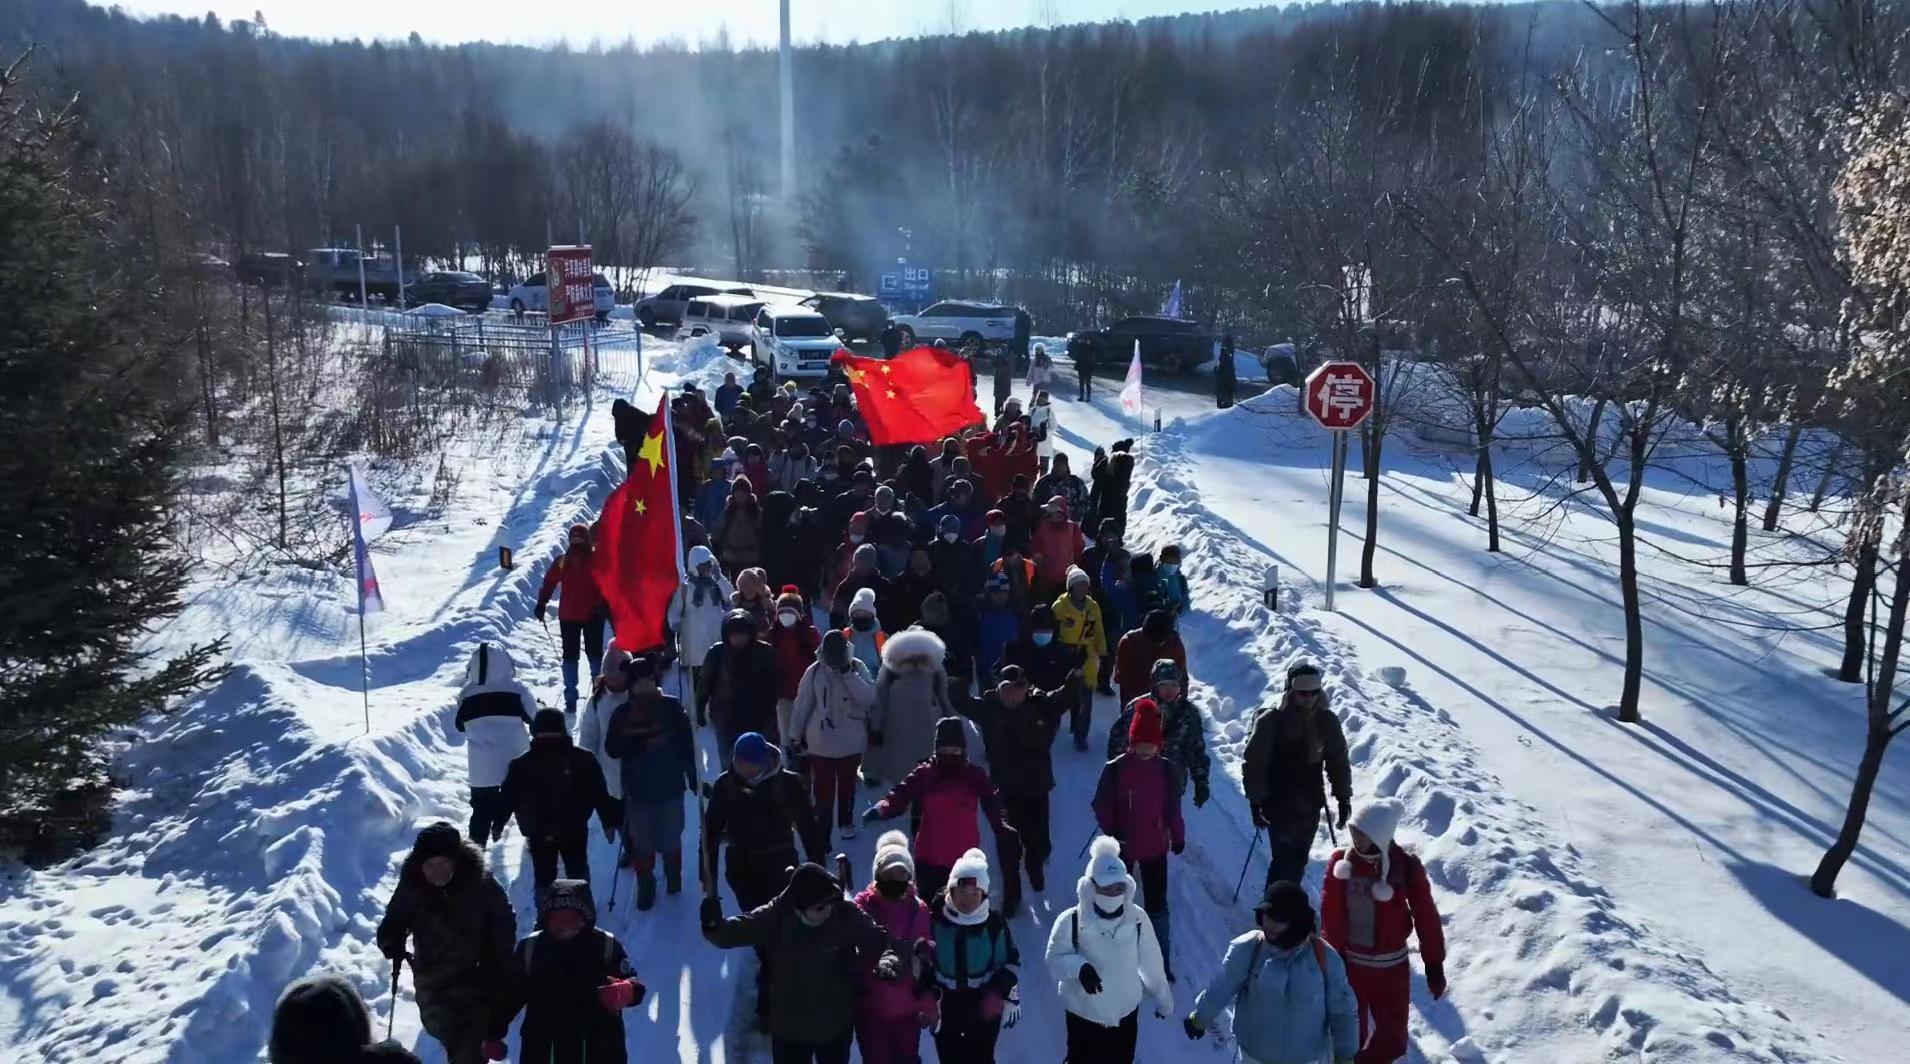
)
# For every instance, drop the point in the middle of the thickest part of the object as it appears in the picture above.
(959, 322)
(534, 295)
(731, 319)
(793, 341)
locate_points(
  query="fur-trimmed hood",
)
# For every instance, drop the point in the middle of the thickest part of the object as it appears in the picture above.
(905, 649)
(467, 857)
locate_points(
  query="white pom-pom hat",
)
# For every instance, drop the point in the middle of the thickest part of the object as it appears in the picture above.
(1104, 862)
(971, 865)
(1377, 820)
(891, 851)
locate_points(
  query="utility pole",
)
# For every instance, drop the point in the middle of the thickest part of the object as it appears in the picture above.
(786, 69)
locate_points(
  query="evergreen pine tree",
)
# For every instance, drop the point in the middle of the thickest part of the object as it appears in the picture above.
(91, 423)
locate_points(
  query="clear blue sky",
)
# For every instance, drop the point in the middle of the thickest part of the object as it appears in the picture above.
(648, 21)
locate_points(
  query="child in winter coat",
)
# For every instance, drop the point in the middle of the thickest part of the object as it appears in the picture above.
(864, 631)
(1178, 598)
(572, 980)
(975, 959)
(1375, 896)
(649, 736)
(829, 730)
(1137, 801)
(1104, 959)
(697, 610)
(553, 788)
(1186, 737)
(1288, 989)
(1079, 618)
(947, 789)
(794, 638)
(494, 713)
(580, 610)
(753, 594)
(890, 1014)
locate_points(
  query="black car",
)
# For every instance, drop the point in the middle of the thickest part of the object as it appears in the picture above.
(1173, 345)
(453, 288)
(856, 317)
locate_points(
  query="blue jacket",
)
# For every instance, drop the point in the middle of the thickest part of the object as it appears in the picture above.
(994, 630)
(655, 749)
(974, 520)
(1174, 590)
(1288, 1004)
(710, 499)
(1126, 605)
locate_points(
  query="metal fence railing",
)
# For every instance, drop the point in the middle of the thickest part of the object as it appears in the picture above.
(477, 358)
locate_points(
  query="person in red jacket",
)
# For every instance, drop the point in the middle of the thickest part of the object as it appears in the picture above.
(1375, 895)
(946, 789)
(1053, 545)
(1137, 801)
(580, 611)
(795, 640)
(1138, 650)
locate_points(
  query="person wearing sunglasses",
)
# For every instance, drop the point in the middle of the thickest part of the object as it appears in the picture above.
(1295, 750)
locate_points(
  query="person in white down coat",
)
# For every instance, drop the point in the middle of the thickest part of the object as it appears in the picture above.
(697, 611)
(1105, 960)
(829, 730)
(613, 691)
(494, 713)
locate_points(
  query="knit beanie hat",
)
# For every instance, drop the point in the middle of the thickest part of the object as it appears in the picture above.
(892, 851)
(1076, 576)
(790, 599)
(1377, 820)
(572, 894)
(1146, 726)
(971, 865)
(1104, 862)
(1165, 671)
(949, 731)
(549, 722)
(1304, 677)
(864, 600)
(615, 658)
(835, 649)
(752, 748)
(1286, 901)
(935, 609)
(438, 840)
(810, 885)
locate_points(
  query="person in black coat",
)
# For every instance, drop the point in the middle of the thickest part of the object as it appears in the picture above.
(1224, 374)
(738, 693)
(553, 789)
(1019, 724)
(460, 927)
(1084, 372)
(891, 340)
(572, 980)
(322, 1019)
(1045, 661)
(1004, 377)
(780, 553)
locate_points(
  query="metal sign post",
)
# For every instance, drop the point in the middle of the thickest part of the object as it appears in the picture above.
(1338, 395)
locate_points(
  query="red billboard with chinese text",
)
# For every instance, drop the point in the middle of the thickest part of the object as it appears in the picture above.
(572, 293)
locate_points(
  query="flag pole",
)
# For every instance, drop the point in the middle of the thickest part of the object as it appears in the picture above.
(358, 542)
(364, 662)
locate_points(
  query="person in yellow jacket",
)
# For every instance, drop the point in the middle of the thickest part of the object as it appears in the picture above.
(1078, 621)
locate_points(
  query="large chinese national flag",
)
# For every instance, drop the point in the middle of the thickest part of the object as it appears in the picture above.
(919, 396)
(636, 556)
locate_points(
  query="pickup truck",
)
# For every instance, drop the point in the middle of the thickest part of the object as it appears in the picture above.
(334, 272)
(1172, 345)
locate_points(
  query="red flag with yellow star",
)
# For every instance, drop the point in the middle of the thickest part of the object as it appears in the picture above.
(919, 396)
(637, 555)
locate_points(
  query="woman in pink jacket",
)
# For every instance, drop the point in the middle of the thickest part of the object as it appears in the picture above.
(890, 1014)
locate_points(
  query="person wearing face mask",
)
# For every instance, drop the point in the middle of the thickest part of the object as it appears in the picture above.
(947, 789)
(863, 575)
(816, 943)
(891, 530)
(1288, 748)
(829, 730)
(1138, 801)
(907, 591)
(970, 520)
(580, 617)
(890, 1014)
(1018, 725)
(655, 751)
(1174, 591)
(1291, 1000)
(1047, 662)
(1105, 960)
(697, 609)
(572, 980)
(911, 694)
(1078, 620)
(957, 572)
(1376, 896)
(795, 640)
(973, 951)
(738, 693)
(1185, 735)
(864, 632)
(461, 930)
(992, 544)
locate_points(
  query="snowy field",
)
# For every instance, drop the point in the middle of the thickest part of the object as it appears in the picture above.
(1611, 892)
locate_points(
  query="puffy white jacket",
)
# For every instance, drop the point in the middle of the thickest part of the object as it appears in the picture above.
(590, 735)
(494, 713)
(1042, 418)
(699, 625)
(832, 710)
(1124, 952)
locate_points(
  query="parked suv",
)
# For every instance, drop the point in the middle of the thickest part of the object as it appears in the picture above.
(1173, 345)
(793, 341)
(958, 322)
(853, 317)
(667, 307)
(534, 294)
(729, 318)
(453, 288)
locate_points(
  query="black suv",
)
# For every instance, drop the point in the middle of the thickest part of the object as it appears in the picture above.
(856, 317)
(453, 288)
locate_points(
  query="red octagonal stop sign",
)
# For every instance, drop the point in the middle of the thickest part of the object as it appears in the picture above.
(1339, 395)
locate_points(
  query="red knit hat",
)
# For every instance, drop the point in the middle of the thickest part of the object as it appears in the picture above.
(1146, 727)
(790, 598)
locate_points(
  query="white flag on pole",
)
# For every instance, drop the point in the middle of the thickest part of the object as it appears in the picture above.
(1131, 391)
(370, 518)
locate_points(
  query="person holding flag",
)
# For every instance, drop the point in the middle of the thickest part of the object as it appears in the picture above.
(920, 396)
(639, 527)
(579, 611)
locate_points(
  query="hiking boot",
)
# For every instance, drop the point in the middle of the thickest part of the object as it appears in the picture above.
(1080, 744)
(848, 830)
(646, 893)
(673, 875)
(1037, 878)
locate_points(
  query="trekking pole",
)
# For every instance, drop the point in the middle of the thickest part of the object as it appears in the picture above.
(616, 876)
(1242, 881)
(391, 1020)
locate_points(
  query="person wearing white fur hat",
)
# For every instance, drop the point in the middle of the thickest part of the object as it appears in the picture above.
(1105, 960)
(1376, 894)
(974, 956)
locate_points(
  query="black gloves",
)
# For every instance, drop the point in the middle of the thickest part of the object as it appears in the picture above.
(1260, 817)
(1346, 811)
(1200, 793)
(711, 912)
(1193, 1029)
(1090, 979)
